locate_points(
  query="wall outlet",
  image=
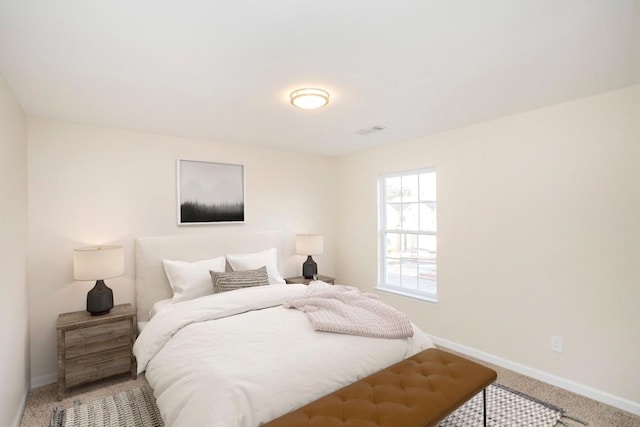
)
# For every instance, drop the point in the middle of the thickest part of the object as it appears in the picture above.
(556, 343)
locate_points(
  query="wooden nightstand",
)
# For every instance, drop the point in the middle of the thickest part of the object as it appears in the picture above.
(301, 279)
(95, 347)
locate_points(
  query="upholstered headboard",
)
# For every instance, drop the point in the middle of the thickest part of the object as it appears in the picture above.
(151, 282)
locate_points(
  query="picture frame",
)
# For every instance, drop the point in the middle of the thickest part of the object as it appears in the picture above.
(210, 192)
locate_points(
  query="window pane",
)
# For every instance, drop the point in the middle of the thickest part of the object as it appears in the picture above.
(428, 186)
(410, 274)
(392, 247)
(392, 272)
(428, 219)
(410, 188)
(393, 189)
(410, 216)
(427, 247)
(427, 278)
(409, 246)
(393, 216)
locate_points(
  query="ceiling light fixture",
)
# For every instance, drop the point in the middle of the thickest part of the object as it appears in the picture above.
(309, 98)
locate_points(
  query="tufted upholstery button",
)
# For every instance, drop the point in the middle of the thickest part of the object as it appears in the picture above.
(417, 392)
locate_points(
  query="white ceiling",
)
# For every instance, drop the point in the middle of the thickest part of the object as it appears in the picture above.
(222, 69)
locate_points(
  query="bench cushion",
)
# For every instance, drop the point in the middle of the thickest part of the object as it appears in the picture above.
(417, 392)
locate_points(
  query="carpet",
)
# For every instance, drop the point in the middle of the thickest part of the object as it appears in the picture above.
(133, 408)
(137, 408)
(505, 408)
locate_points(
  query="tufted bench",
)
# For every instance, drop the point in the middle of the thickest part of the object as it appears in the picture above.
(417, 392)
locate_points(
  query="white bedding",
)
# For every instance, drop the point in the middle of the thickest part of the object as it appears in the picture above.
(225, 360)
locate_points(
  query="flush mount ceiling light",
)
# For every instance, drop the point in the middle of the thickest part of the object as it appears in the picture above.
(309, 98)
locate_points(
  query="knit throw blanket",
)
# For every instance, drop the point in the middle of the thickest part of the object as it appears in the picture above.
(347, 310)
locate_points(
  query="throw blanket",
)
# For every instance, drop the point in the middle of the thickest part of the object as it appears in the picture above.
(346, 310)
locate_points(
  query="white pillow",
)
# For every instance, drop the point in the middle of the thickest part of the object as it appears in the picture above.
(191, 280)
(252, 261)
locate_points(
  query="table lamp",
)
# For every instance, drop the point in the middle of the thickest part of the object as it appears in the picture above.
(98, 263)
(309, 244)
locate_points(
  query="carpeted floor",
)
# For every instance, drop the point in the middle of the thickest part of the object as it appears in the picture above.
(42, 400)
(137, 408)
(595, 413)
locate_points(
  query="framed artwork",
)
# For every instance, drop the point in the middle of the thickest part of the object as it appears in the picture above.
(210, 193)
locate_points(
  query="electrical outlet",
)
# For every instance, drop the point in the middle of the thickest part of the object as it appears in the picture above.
(556, 343)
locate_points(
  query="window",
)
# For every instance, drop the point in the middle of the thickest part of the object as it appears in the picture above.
(408, 229)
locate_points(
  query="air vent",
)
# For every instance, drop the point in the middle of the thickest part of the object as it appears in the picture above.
(372, 129)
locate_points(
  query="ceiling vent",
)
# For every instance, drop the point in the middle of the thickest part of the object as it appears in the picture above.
(370, 130)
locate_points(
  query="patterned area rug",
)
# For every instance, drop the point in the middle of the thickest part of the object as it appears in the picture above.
(137, 408)
(505, 408)
(133, 408)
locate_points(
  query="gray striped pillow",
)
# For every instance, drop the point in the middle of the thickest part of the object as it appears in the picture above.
(223, 282)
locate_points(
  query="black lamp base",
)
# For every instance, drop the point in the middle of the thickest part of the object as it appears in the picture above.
(99, 299)
(309, 268)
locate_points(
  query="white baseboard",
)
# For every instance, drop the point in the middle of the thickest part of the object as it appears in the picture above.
(23, 404)
(43, 380)
(601, 396)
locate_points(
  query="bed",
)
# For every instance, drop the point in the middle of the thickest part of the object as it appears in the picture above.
(240, 358)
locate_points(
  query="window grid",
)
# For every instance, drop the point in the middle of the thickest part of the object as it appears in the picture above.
(408, 245)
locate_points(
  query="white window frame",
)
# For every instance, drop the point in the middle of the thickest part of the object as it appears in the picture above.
(430, 295)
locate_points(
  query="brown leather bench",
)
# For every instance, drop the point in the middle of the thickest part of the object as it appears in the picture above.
(417, 392)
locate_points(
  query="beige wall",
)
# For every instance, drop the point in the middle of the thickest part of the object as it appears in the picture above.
(538, 217)
(14, 307)
(539, 234)
(90, 185)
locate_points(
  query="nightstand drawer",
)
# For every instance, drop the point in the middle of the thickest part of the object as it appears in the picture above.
(99, 338)
(96, 366)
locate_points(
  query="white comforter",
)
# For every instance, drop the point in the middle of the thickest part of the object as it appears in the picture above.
(226, 360)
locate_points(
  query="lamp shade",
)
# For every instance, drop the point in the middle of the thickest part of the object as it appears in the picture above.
(98, 262)
(309, 244)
